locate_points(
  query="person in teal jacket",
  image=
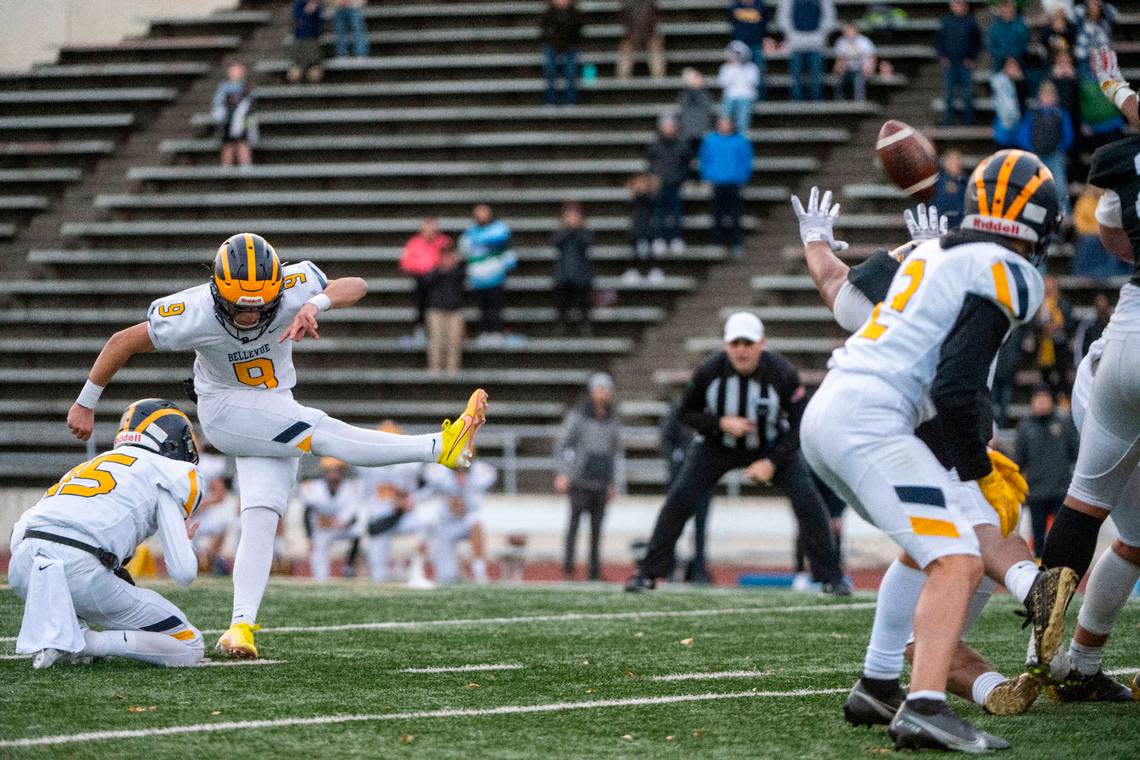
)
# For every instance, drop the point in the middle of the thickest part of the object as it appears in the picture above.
(486, 247)
(726, 163)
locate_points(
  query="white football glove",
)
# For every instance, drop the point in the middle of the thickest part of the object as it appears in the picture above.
(818, 220)
(1112, 82)
(924, 223)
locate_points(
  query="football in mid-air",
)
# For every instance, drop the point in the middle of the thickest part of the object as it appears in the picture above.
(908, 158)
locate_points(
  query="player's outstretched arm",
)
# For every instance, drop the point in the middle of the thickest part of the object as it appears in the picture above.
(816, 222)
(116, 351)
(1114, 85)
(339, 293)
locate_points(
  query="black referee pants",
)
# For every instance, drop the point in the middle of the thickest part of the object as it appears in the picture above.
(702, 469)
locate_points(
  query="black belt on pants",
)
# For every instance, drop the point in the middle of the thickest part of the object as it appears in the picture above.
(109, 560)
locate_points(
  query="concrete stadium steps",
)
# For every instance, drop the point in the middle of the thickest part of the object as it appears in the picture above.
(105, 75)
(153, 50)
(239, 22)
(557, 144)
(136, 100)
(70, 126)
(38, 154)
(528, 63)
(531, 321)
(326, 231)
(189, 263)
(509, 204)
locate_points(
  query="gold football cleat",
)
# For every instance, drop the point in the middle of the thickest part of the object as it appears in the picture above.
(1013, 697)
(459, 436)
(238, 641)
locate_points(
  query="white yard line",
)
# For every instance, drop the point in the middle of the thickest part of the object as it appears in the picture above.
(713, 676)
(467, 668)
(233, 663)
(323, 720)
(569, 617)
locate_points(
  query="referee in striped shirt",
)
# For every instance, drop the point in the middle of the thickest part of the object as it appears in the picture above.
(745, 403)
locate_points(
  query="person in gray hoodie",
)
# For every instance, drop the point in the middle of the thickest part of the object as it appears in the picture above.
(806, 25)
(586, 456)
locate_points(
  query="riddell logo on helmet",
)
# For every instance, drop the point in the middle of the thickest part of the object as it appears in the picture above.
(250, 301)
(128, 436)
(996, 226)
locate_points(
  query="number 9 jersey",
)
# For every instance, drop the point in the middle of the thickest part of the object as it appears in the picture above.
(902, 340)
(188, 321)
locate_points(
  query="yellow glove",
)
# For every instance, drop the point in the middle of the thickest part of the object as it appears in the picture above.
(1003, 498)
(1011, 472)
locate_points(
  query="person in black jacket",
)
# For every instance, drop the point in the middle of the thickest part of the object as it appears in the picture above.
(669, 158)
(1046, 450)
(445, 286)
(958, 42)
(561, 34)
(573, 270)
(746, 403)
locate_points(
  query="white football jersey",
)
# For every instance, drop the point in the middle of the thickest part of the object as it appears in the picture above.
(477, 480)
(112, 500)
(343, 504)
(377, 480)
(186, 321)
(902, 340)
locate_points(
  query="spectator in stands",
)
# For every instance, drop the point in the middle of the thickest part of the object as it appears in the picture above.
(573, 270)
(726, 163)
(486, 247)
(1092, 327)
(443, 297)
(950, 192)
(1091, 259)
(958, 42)
(738, 79)
(1064, 78)
(749, 20)
(695, 111)
(586, 455)
(642, 189)
(669, 159)
(806, 25)
(1008, 36)
(1046, 452)
(854, 61)
(639, 20)
(676, 437)
(1052, 326)
(561, 35)
(420, 257)
(1009, 361)
(348, 20)
(1008, 86)
(1047, 131)
(308, 23)
(1058, 34)
(232, 111)
(1093, 20)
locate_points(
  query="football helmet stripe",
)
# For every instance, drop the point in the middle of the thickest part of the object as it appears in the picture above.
(980, 182)
(223, 255)
(251, 259)
(997, 205)
(142, 426)
(1023, 197)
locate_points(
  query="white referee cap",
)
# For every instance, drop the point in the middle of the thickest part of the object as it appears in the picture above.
(743, 324)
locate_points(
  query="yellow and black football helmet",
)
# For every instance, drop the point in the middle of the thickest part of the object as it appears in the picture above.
(160, 426)
(247, 278)
(1012, 194)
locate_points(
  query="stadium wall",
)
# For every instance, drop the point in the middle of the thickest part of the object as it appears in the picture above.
(34, 32)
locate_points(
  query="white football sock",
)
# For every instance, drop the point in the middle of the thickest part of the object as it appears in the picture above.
(1110, 584)
(372, 448)
(1019, 578)
(253, 561)
(155, 648)
(927, 694)
(984, 684)
(1085, 659)
(978, 603)
(894, 620)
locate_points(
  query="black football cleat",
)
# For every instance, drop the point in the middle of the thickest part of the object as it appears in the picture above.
(1077, 687)
(863, 708)
(638, 583)
(836, 588)
(1045, 609)
(938, 729)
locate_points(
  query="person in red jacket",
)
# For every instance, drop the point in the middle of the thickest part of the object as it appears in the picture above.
(420, 257)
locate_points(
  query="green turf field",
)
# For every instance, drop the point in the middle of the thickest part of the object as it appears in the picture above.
(583, 663)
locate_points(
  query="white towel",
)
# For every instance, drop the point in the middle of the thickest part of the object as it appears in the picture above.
(49, 614)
